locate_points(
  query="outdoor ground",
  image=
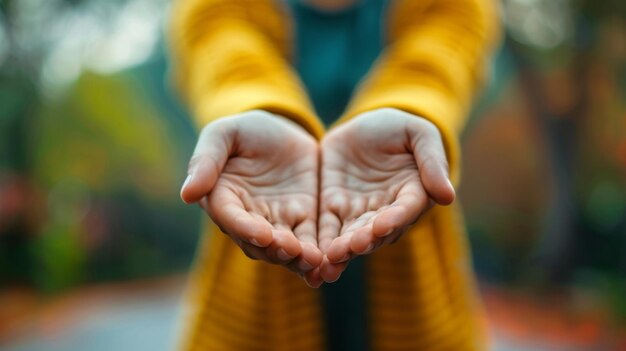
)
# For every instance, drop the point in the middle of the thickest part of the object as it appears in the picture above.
(142, 316)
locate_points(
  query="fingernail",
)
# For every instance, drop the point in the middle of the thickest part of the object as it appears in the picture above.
(187, 180)
(369, 249)
(283, 255)
(185, 183)
(450, 185)
(305, 266)
(255, 242)
(388, 232)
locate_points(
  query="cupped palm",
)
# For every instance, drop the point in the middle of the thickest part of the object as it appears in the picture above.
(256, 175)
(380, 172)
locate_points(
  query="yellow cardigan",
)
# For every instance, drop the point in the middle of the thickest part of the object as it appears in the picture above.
(232, 56)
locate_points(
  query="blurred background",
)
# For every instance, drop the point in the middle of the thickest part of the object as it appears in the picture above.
(95, 243)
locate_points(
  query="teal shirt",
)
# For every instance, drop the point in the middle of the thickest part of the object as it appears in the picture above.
(334, 51)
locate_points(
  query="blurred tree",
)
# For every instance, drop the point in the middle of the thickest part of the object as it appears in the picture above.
(100, 158)
(569, 58)
(18, 98)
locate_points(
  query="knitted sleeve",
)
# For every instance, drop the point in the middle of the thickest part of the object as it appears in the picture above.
(433, 64)
(231, 56)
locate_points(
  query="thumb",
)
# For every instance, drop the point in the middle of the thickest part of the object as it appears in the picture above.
(432, 164)
(209, 158)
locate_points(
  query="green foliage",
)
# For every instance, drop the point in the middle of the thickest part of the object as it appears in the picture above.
(59, 258)
(108, 135)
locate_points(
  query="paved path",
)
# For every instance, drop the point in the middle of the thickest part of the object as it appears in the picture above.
(143, 317)
(129, 324)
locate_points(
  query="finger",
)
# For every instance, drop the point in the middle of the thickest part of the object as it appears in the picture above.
(410, 203)
(363, 240)
(284, 247)
(374, 243)
(331, 272)
(313, 278)
(270, 254)
(362, 220)
(204, 203)
(262, 254)
(208, 160)
(430, 156)
(358, 206)
(394, 237)
(310, 258)
(389, 219)
(306, 231)
(227, 211)
(301, 267)
(253, 252)
(329, 227)
(339, 250)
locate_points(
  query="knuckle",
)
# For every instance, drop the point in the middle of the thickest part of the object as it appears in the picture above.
(222, 127)
(428, 127)
(213, 127)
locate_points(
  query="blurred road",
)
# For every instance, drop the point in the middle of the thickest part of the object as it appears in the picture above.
(139, 324)
(142, 316)
(104, 319)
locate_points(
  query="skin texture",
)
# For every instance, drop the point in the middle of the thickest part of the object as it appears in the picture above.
(380, 172)
(256, 175)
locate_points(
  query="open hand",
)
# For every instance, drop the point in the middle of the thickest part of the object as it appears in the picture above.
(256, 175)
(380, 172)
